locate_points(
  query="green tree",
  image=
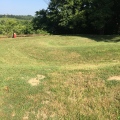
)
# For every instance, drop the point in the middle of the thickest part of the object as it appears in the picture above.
(40, 20)
(99, 13)
(80, 16)
(28, 27)
(115, 21)
(7, 26)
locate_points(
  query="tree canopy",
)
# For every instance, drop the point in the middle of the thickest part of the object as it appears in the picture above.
(79, 16)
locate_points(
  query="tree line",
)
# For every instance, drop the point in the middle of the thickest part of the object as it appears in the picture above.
(79, 17)
(21, 17)
(67, 17)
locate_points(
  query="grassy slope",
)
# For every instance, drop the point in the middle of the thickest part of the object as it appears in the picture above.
(76, 70)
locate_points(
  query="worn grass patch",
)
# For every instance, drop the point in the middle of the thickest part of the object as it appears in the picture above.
(114, 78)
(60, 78)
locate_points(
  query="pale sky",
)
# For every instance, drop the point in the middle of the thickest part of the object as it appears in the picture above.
(22, 7)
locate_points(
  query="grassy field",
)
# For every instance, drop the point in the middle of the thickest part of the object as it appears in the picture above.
(60, 78)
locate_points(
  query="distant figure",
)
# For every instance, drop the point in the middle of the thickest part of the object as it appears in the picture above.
(14, 35)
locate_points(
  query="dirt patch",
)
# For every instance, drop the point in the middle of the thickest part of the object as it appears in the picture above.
(36, 81)
(117, 78)
(26, 116)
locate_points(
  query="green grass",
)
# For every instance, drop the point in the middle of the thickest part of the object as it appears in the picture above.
(76, 85)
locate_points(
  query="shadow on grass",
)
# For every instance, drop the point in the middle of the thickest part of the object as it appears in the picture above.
(105, 38)
(99, 38)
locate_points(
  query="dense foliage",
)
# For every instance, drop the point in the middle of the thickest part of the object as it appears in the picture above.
(19, 24)
(80, 16)
(9, 26)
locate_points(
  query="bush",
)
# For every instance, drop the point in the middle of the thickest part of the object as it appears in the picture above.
(40, 31)
(9, 26)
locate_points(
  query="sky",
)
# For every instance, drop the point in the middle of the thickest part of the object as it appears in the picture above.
(22, 7)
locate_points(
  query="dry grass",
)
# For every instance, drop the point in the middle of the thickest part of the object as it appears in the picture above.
(114, 78)
(88, 66)
(36, 81)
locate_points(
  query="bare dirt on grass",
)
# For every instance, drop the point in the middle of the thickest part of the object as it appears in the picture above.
(36, 81)
(117, 78)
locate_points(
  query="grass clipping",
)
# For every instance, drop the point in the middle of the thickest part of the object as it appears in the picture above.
(36, 81)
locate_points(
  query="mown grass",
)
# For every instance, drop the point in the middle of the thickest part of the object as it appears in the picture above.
(76, 85)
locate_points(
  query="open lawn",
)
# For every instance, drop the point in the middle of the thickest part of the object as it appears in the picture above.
(60, 78)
